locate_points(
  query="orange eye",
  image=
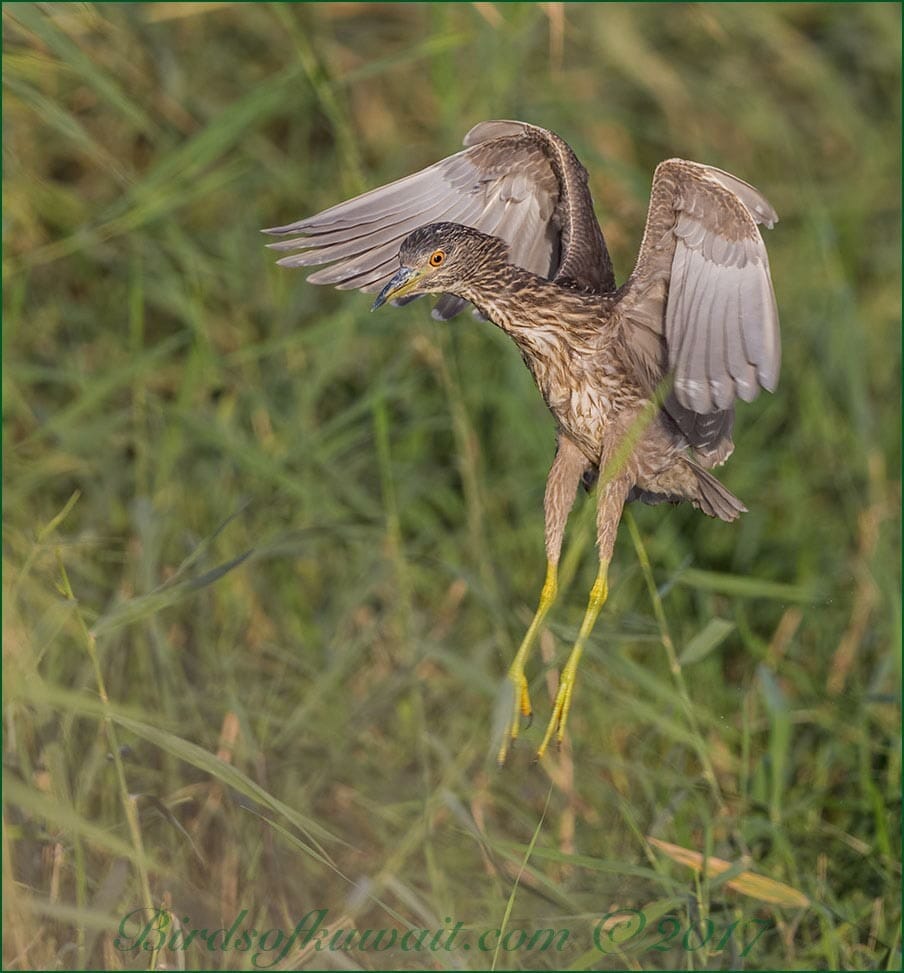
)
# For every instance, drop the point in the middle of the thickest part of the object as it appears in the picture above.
(437, 257)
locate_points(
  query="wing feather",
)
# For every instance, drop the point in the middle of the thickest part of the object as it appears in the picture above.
(514, 180)
(717, 318)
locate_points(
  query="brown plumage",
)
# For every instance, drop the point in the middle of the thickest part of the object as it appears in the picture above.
(641, 380)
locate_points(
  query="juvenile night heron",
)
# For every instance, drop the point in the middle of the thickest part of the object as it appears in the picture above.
(641, 379)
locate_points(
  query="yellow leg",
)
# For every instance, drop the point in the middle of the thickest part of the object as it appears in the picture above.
(562, 705)
(520, 697)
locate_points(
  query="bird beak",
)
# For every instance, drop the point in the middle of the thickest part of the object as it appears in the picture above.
(400, 285)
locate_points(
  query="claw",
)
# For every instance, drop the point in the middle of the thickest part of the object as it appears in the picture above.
(521, 709)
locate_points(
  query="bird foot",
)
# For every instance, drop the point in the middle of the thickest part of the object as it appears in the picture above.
(556, 726)
(520, 708)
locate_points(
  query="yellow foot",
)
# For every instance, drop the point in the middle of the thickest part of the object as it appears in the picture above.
(516, 698)
(556, 726)
(520, 708)
(562, 705)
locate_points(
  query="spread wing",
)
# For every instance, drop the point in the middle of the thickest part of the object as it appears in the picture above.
(699, 305)
(513, 180)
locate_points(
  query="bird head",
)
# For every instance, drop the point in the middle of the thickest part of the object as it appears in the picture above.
(441, 258)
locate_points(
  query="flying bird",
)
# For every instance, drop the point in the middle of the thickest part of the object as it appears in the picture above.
(641, 379)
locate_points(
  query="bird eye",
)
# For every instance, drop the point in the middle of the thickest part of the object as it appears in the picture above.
(437, 257)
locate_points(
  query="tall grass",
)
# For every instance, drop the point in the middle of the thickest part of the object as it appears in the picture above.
(266, 556)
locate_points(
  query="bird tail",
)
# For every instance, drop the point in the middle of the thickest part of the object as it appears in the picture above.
(713, 498)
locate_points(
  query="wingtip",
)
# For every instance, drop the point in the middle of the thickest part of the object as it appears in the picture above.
(297, 227)
(293, 260)
(762, 210)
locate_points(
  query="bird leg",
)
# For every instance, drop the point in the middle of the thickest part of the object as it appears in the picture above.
(561, 488)
(612, 498)
(516, 670)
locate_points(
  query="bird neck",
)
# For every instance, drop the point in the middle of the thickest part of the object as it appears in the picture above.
(534, 311)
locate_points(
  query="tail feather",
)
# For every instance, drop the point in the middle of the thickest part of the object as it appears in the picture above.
(714, 498)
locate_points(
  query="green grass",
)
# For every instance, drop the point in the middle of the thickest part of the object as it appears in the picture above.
(266, 556)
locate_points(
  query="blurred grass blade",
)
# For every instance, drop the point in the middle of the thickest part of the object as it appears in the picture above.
(42, 534)
(231, 776)
(425, 51)
(746, 586)
(509, 905)
(615, 866)
(204, 546)
(747, 883)
(708, 638)
(158, 13)
(180, 176)
(52, 810)
(58, 518)
(214, 574)
(779, 736)
(142, 606)
(93, 919)
(185, 163)
(776, 703)
(64, 122)
(174, 822)
(34, 18)
(92, 396)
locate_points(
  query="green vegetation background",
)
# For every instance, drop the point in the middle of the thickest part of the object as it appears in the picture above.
(266, 556)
